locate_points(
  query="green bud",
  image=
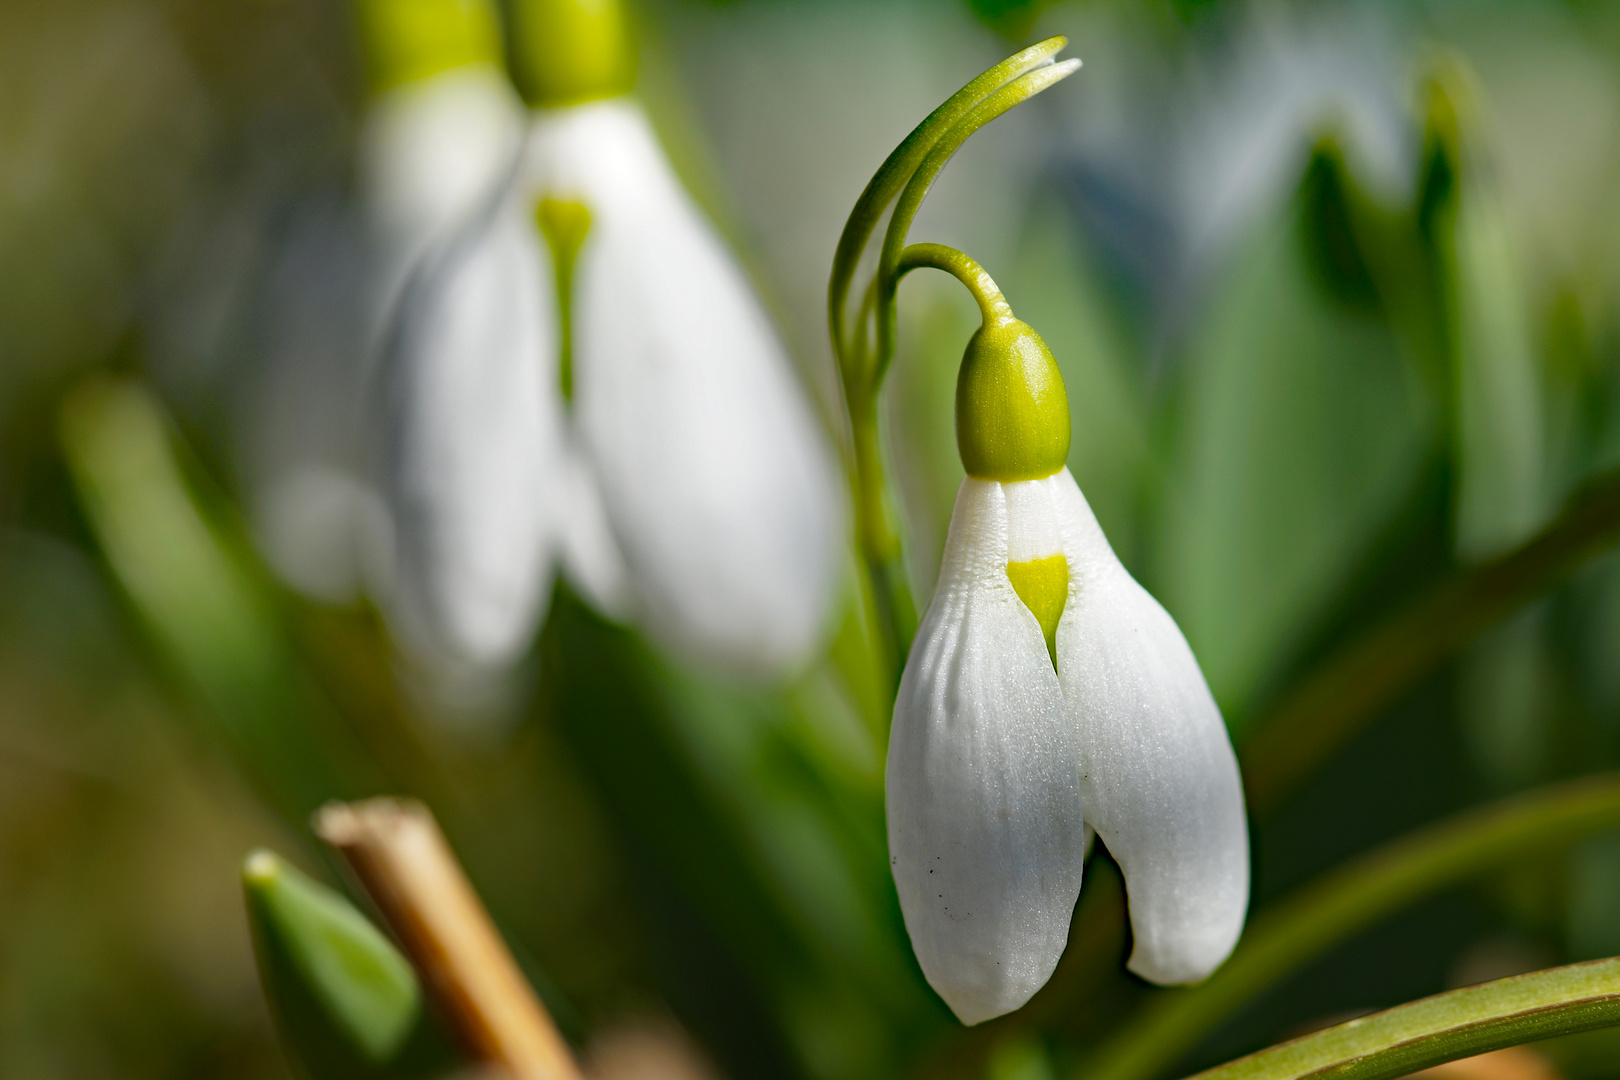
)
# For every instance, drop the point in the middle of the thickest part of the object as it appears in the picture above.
(407, 40)
(564, 52)
(345, 1001)
(1012, 412)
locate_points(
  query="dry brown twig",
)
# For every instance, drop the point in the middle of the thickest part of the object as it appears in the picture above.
(401, 858)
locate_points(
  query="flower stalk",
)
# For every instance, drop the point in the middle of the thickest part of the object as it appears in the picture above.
(865, 350)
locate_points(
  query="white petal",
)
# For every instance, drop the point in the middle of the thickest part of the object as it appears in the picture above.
(590, 554)
(986, 838)
(716, 477)
(1159, 779)
(473, 420)
(432, 152)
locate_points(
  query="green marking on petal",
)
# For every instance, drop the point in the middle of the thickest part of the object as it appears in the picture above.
(564, 223)
(1043, 586)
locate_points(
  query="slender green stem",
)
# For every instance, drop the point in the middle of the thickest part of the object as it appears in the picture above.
(1302, 927)
(894, 612)
(1462, 1023)
(992, 305)
(1330, 705)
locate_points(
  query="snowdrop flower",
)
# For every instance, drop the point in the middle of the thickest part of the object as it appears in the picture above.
(586, 380)
(1048, 695)
(441, 131)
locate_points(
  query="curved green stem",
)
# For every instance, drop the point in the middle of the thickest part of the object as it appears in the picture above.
(1331, 704)
(992, 305)
(1298, 929)
(1014, 93)
(892, 175)
(1462, 1023)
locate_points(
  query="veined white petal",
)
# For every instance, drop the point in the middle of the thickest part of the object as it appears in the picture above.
(473, 422)
(1032, 521)
(1159, 779)
(986, 838)
(715, 475)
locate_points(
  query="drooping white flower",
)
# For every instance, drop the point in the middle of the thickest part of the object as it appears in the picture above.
(1047, 695)
(664, 456)
(440, 132)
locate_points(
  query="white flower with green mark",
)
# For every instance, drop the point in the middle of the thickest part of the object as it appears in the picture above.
(1048, 695)
(586, 379)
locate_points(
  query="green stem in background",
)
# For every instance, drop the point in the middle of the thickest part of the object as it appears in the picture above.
(1327, 707)
(1462, 1023)
(1298, 929)
(863, 355)
(209, 618)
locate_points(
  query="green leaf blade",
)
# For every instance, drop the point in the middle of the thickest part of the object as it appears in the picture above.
(1324, 913)
(345, 1000)
(1458, 1024)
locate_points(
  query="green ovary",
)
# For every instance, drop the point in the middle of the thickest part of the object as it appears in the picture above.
(1043, 586)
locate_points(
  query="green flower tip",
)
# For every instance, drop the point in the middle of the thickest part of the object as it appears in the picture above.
(335, 983)
(407, 40)
(564, 52)
(1012, 412)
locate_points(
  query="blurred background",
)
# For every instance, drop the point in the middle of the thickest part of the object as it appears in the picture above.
(1287, 423)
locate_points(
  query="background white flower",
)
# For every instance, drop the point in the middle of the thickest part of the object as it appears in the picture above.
(668, 459)
(439, 134)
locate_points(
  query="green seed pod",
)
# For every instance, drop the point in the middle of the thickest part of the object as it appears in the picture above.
(346, 1003)
(1012, 412)
(564, 52)
(407, 40)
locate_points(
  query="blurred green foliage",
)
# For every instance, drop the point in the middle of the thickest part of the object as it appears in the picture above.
(1334, 294)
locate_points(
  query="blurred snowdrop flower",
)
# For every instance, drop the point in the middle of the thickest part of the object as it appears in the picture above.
(586, 380)
(1048, 695)
(440, 133)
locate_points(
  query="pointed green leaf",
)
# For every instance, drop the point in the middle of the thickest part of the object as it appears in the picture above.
(344, 998)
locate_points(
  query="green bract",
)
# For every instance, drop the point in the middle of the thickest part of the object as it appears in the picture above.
(407, 40)
(564, 52)
(1012, 413)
